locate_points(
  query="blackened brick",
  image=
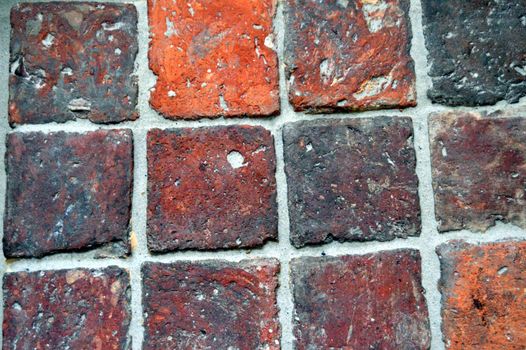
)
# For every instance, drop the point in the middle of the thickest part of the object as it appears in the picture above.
(67, 191)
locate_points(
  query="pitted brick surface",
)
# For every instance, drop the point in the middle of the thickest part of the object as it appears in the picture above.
(213, 58)
(351, 180)
(68, 191)
(479, 169)
(477, 50)
(373, 301)
(67, 309)
(483, 295)
(211, 305)
(73, 60)
(348, 55)
(211, 188)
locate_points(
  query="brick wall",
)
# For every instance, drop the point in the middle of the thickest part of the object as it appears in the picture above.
(249, 174)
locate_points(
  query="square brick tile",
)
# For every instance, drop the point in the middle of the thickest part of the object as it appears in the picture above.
(373, 301)
(213, 58)
(67, 309)
(73, 60)
(351, 180)
(477, 50)
(211, 305)
(348, 55)
(211, 188)
(68, 191)
(483, 295)
(479, 169)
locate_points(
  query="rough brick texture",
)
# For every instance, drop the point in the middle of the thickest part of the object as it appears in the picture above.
(67, 309)
(483, 299)
(477, 50)
(213, 58)
(351, 180)
(73, 60)
(479, 169)
(67, 191)
(372, 301)
(211, 305)
(211, 188)
(348, 55)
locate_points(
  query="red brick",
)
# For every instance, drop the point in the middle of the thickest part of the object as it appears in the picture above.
(197, 199)
(213, 58)
(211, 305)
(351, 180)
(483, 295)
(68, 191)
(372, 301)
(73, 60)
(67, 309)
(348, 55)
(478, 169)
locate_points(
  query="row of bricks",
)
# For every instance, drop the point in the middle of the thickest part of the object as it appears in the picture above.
(373, 301)
(217, 58)
(215, 188)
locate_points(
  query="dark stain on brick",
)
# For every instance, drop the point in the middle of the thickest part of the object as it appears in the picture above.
(67, 191)
(477, 50)
(348, 55)
(67, 309)
(211, 188)
(482, 290)
(73, 60)
(479, 169)
(351, 180)
(211, 305)
(373, 301)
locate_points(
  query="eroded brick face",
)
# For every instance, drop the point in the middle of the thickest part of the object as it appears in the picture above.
(73, 60)
(479, 168)
(68, 191)
(213, 58)
(351, 180)
(211, 188)
(211, 305)
(372, 301)
(483, 300)
(67, 309)
(477, 50)
(348, 55)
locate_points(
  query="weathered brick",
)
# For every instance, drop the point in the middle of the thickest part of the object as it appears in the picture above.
(351, 180)
(211, 305)
(483, 299)
(211, 188)
(373, 301)
(67, 309)
(348, 55)
(213, 58)
(73, 60)
(479, 164)
(68, 191)
(477, 50)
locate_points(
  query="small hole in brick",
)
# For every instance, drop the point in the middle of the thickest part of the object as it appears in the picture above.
(235, 159)
(17, 307)
(203, 332)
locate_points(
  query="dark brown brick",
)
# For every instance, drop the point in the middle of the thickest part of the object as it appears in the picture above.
(73, 60)
(373, 301)
(213, 58)
(211, 305)
(68, 191)
(477, 50)
(67, 309)
(348, 55)
(483, 295)
(351, 180)
(211, 188)
(479, 164)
